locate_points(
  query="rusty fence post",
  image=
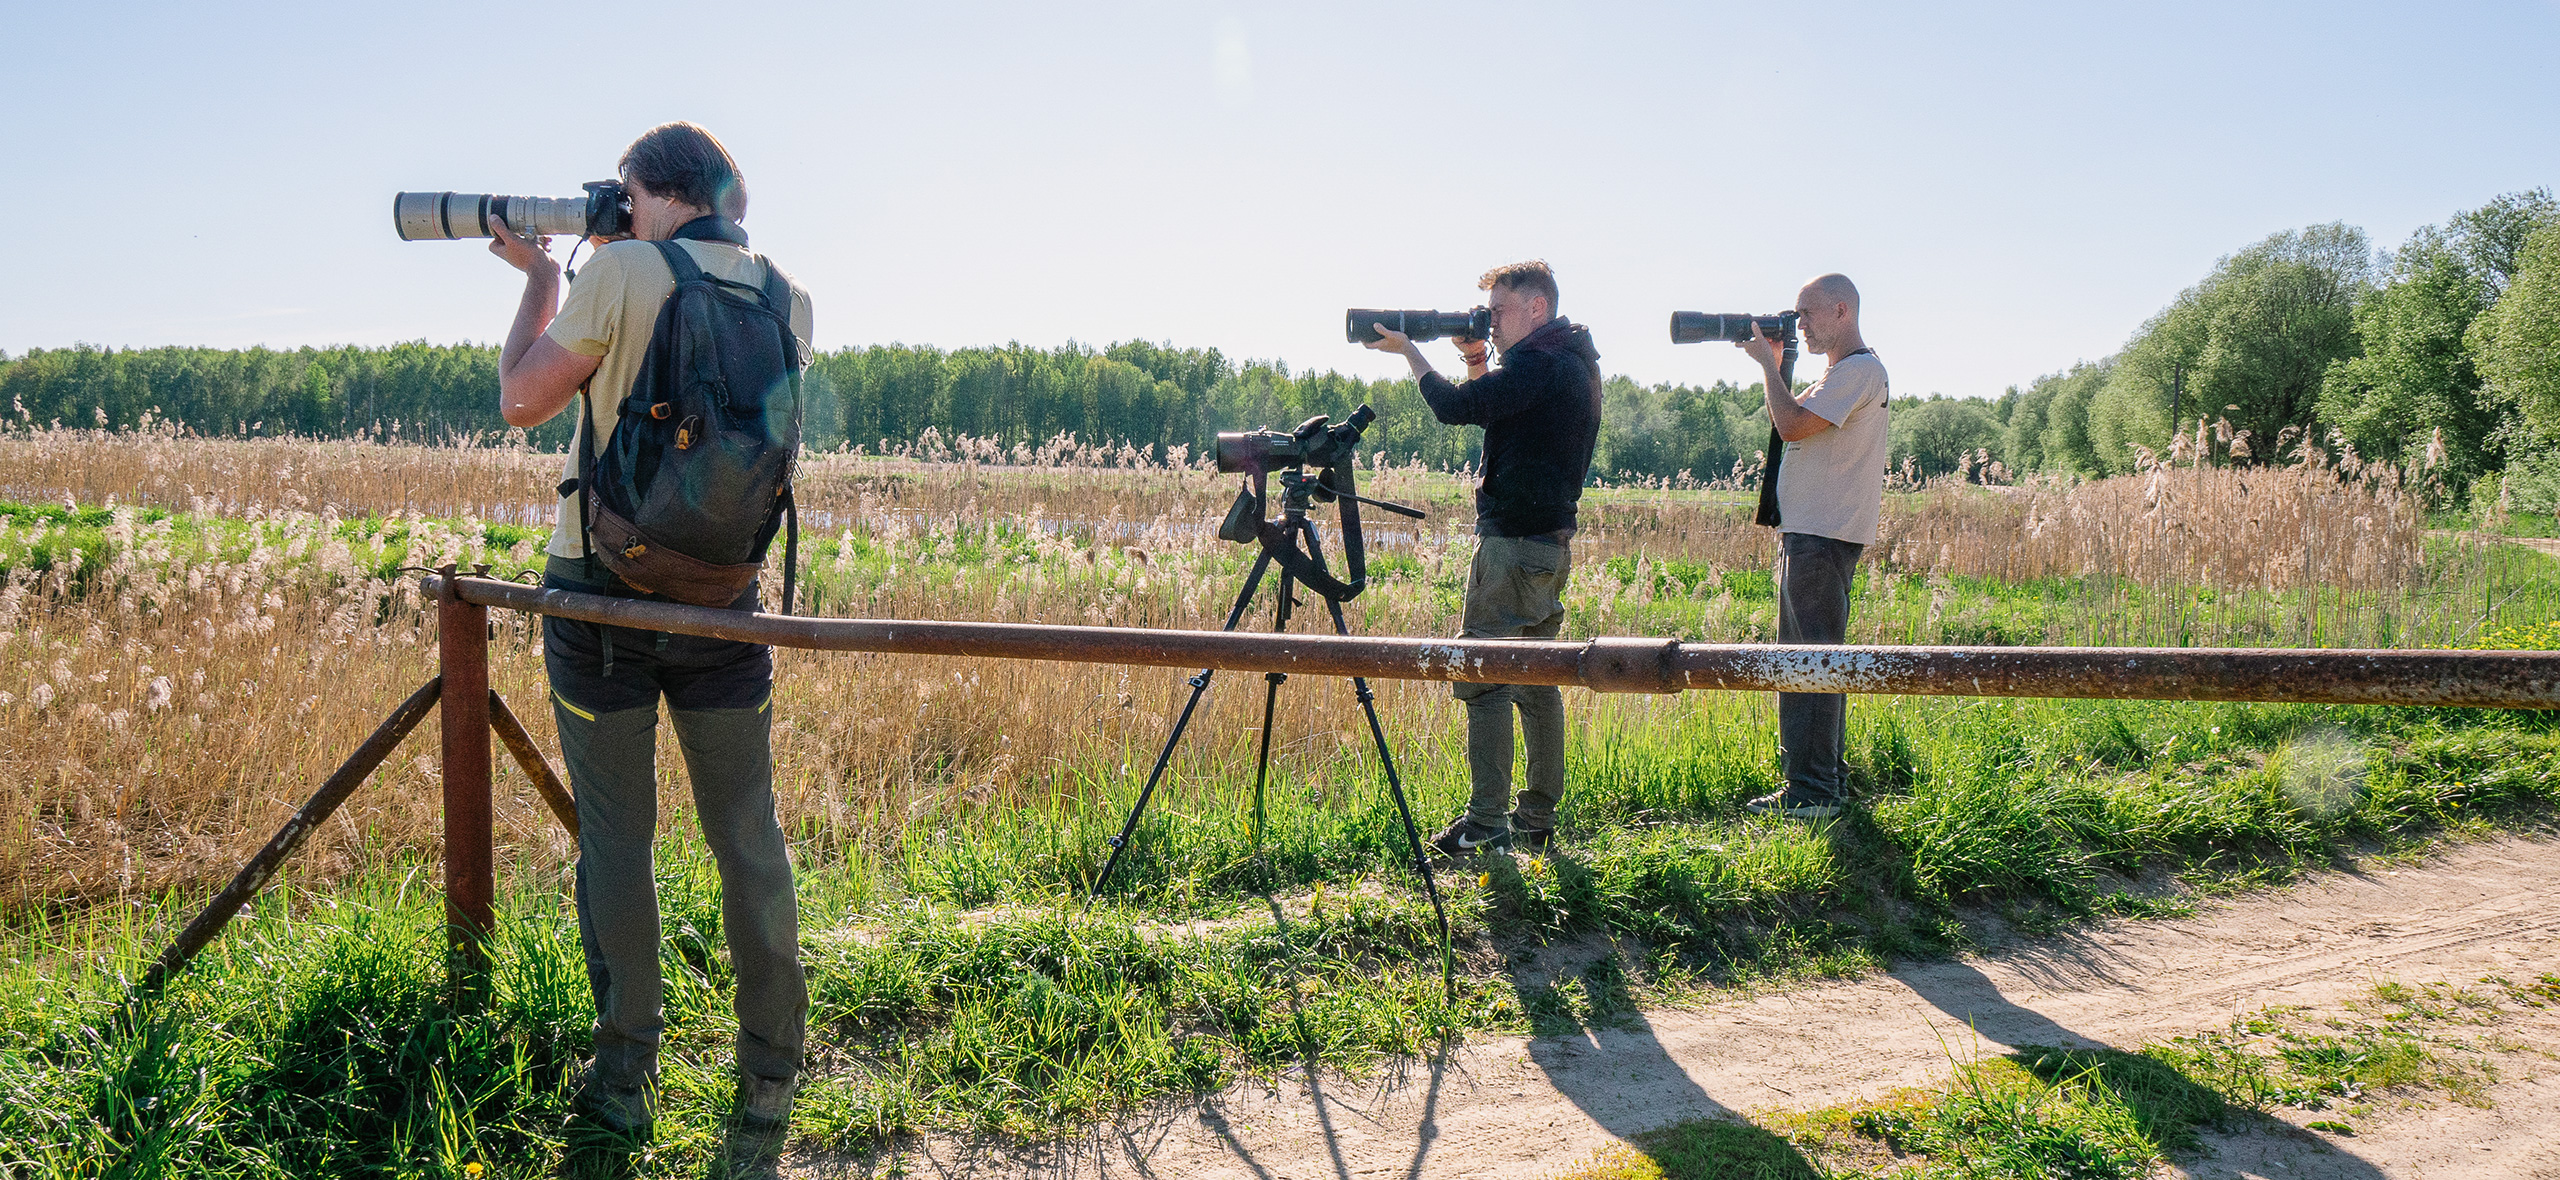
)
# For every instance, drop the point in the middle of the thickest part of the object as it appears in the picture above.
(462, 651)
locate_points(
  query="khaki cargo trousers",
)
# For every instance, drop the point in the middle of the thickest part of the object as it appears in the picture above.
(1515, 590)
(606, 683)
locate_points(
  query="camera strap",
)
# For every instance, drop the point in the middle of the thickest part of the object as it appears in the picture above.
(711, 227)
(577, 485)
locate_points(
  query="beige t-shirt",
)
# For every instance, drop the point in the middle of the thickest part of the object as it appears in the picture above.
(1832, 485)
(610, 311)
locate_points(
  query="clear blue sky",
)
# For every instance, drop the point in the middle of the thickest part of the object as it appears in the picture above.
(2015, 187)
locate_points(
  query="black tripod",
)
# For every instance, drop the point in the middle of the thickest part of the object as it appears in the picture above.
(1280, 544)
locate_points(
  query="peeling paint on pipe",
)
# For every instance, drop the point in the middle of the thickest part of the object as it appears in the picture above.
(2505, 680)
(2487, 679)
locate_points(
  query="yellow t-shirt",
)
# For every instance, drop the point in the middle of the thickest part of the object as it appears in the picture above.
(610, 311)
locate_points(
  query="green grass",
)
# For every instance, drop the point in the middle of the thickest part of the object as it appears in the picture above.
(43, 538)
(957, 986)
(2510, 524)
(1696, 601)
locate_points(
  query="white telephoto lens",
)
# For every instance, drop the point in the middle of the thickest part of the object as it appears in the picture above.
(427, 217)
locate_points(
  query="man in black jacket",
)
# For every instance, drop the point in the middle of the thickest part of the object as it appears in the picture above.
(1541, 416)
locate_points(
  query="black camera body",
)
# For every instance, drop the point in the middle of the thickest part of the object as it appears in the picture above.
(1692, 327)
(608, 209)
(1360, 325)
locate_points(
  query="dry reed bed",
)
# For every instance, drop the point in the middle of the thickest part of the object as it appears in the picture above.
(2269, 528)
(2315, 522)
(160, 715)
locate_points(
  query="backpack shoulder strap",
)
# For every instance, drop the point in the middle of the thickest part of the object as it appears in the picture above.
(777, 286)
(777, 299)
(679, 262)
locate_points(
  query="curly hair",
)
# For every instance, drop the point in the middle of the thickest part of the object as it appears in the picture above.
(686, 163)
(1531, 277)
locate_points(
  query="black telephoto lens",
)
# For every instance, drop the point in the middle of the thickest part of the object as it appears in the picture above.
(1360, 324)
(1693, 327)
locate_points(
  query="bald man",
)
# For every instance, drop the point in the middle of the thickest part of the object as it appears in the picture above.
(1830, 493)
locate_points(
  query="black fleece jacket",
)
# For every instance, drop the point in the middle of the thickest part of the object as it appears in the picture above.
(1540, 410)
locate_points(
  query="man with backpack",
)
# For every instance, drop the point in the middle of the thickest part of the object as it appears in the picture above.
(688, 351)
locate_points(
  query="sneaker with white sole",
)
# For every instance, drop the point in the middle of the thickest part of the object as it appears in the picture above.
(1531, 838)
(1464, 836)
(1796, 803)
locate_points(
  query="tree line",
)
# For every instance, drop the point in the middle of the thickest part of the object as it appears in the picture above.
(884, 398)
(1159, 399)
(2443, 355)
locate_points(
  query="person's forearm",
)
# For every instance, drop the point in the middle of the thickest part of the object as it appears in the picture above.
(1793, 422)
(1421, 367)
(533, 313)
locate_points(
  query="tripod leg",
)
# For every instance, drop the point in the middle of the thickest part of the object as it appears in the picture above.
(1412, 834)
(1270, 700)
(1199, 687)
(1262, 764)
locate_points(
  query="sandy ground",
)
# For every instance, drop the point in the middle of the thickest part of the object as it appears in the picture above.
(1513, 1106)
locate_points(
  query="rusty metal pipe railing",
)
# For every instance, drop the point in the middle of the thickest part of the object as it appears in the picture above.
(2510, 680)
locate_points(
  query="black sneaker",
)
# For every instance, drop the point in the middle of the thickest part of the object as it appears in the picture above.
(1531, 838)
(1796, 803)
(1464, 835)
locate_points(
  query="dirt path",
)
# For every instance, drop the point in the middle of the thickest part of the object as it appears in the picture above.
(1516, 1106)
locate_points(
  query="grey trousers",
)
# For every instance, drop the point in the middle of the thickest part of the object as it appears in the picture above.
(719, 696)
(1813, 607)
(1515, 590)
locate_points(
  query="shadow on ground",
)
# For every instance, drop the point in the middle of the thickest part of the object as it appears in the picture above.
(2166, 1103)
(1592, 1041)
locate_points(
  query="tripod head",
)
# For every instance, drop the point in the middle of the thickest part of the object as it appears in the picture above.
(1330, 449)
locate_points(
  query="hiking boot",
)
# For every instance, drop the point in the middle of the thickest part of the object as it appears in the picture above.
(1531, 838)
(1796, 803)
(1464, 835)
(765, 1103)
(623, 1110)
